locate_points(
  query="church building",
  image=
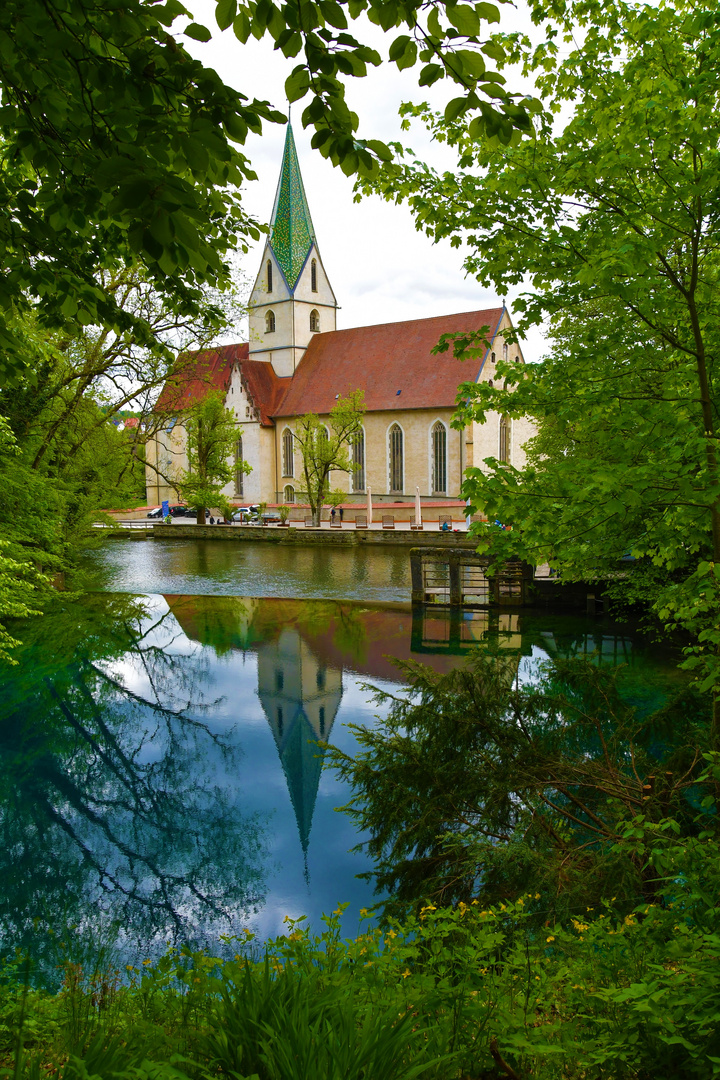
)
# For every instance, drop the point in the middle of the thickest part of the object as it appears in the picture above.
(296, 362)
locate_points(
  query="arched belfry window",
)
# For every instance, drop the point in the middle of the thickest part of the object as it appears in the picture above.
(288, 456)
(289, 494)
(505, 351)
(239, 475)
(439, 458)
(270, 322)
(504, 448)
(313, 275)
(395, 453)
(358, 461)
(314, 321)
(269, 276)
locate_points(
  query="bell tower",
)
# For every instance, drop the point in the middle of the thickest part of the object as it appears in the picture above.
(292, 298)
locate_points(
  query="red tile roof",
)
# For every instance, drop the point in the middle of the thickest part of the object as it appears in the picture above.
(198, 372)
(380, 360)
(264, 388)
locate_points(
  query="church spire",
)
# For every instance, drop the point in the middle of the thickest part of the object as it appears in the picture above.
(291, 229)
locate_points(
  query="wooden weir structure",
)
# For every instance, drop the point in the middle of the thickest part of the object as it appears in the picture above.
(458, 577)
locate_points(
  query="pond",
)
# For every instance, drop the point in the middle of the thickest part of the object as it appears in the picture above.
(164, 781)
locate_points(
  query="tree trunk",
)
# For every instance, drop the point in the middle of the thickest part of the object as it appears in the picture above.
(200, 519)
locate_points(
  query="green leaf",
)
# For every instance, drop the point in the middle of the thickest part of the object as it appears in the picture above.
(225, 13)
(198, 32)
(488, 12)
(297, 84)
(464, 18)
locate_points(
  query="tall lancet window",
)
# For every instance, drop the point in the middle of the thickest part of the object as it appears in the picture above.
(314, 321)
(395, 452)
(239, 474)
(358, 460)
(504, 449)
(313, 275)
(439, 459)
(270, 322)
(288, 457)
(269, 276)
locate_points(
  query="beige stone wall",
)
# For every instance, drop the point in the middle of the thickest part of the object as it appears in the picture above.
(416, 425)
(167, 449)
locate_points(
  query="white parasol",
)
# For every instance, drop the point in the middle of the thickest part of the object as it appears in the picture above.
(418, 508)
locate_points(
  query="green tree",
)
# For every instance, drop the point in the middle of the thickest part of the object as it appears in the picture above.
(325, 448)
(472, 786)
(611, 212)
(212, 435)
(115, 144)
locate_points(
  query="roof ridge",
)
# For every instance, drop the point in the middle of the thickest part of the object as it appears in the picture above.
(407, 322)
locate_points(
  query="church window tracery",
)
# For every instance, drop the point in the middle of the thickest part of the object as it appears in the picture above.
(289, 494)
(504, 448)
(439, 458)
(269, 276)
(270, 322)
(313, 275)
(288, 456)
(395, 448)
(314, 321)
(358, 460)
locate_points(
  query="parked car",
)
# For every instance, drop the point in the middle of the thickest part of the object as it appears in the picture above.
(156, 513)
(180, 511)
(189, 512)
(245, 514)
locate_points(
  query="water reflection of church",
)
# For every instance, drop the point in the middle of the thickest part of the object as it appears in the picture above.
(302, 648)
(300, 697)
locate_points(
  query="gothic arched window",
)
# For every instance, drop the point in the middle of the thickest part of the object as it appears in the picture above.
(492, 357)
(504, 454)
(288, 456)
(395, 454)
(439, 458)
(289, 494)
(269, 276)
(270, 322)
(314, 321)
(505, 351)
(239, 474)
(313, 275)
(358, 462)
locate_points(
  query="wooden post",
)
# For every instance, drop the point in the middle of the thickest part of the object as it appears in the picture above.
(454, 558)
(416, 576)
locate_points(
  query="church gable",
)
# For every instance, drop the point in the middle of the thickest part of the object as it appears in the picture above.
(313, 285)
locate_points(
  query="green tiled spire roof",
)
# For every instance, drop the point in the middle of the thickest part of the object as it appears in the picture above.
(291, 227)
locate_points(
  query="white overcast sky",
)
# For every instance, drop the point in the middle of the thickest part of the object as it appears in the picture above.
(381, 268)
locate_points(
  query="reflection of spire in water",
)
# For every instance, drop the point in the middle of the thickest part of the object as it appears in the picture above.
(300, 698)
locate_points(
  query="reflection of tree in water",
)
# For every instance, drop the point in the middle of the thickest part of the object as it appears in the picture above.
(114, 804)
